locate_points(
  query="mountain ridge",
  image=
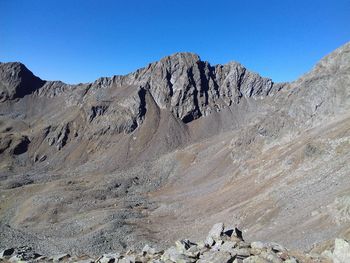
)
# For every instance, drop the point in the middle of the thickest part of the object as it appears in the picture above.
(172, 148)
(166, 91)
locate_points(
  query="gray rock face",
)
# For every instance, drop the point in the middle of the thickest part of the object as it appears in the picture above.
(192, 88)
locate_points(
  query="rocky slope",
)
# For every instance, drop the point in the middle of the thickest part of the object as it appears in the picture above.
(170, 149)
(222, 245)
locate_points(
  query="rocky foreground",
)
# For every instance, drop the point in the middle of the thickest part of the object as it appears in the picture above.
(221, 245)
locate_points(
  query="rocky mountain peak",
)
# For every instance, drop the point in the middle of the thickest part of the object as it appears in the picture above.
(16, 81)
(186, 58)
(337, 62)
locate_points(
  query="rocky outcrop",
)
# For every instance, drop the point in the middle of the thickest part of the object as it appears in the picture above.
(226, 247)
(16, 81)
(13, 144)
(190, 87)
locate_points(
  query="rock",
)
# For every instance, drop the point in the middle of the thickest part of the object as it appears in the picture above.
(214, 233)
(84, 261)
(127, 259)
(184, 244)
(60, 257)
(209, 241)
(42, 158)
(174, 255)
(108, 258)
(35, 157)
(257, 245)
(186, 251)
(238, 233)
(148, 250)
(341, 253)
(277, 247)
(327, 254)
(270, 256)
(7, 252)
(15, 258)
(242, 253)
(201, 244)
(255, 259)
(228, 246)
(216, 257)
(217, 245)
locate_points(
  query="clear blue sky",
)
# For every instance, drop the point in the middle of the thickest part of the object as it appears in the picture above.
(79, 41)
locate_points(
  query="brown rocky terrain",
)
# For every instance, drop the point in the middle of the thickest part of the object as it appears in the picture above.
(222, 245)
(165, 152)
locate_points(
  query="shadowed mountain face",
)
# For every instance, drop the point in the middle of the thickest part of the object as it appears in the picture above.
(170, 149)
(16, 81)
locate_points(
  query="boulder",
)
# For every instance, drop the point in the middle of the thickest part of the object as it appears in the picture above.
(214, 233)
(341, 253)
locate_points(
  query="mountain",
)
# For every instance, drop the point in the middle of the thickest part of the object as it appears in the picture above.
(170, 149)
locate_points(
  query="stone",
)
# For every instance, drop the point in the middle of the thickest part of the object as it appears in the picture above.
(214, 233)
(327, 254)
(209, 241)
(215, 257)
(42, 158)
(255, 259)
(238, 234)
(83, 261)
(7, 252)
(242, 252)
(277, 247)
(148, 250)
(270, 256)
(15, 258)
(174, 255)
(109, 258)
(341, 252)
(60, 257)
(257, 245)
(201, 244)
(242, 244)
(184, 244)
(127, 259)
(228, 246)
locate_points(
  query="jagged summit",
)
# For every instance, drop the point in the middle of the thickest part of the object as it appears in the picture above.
(183, 56)
(182, 83)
